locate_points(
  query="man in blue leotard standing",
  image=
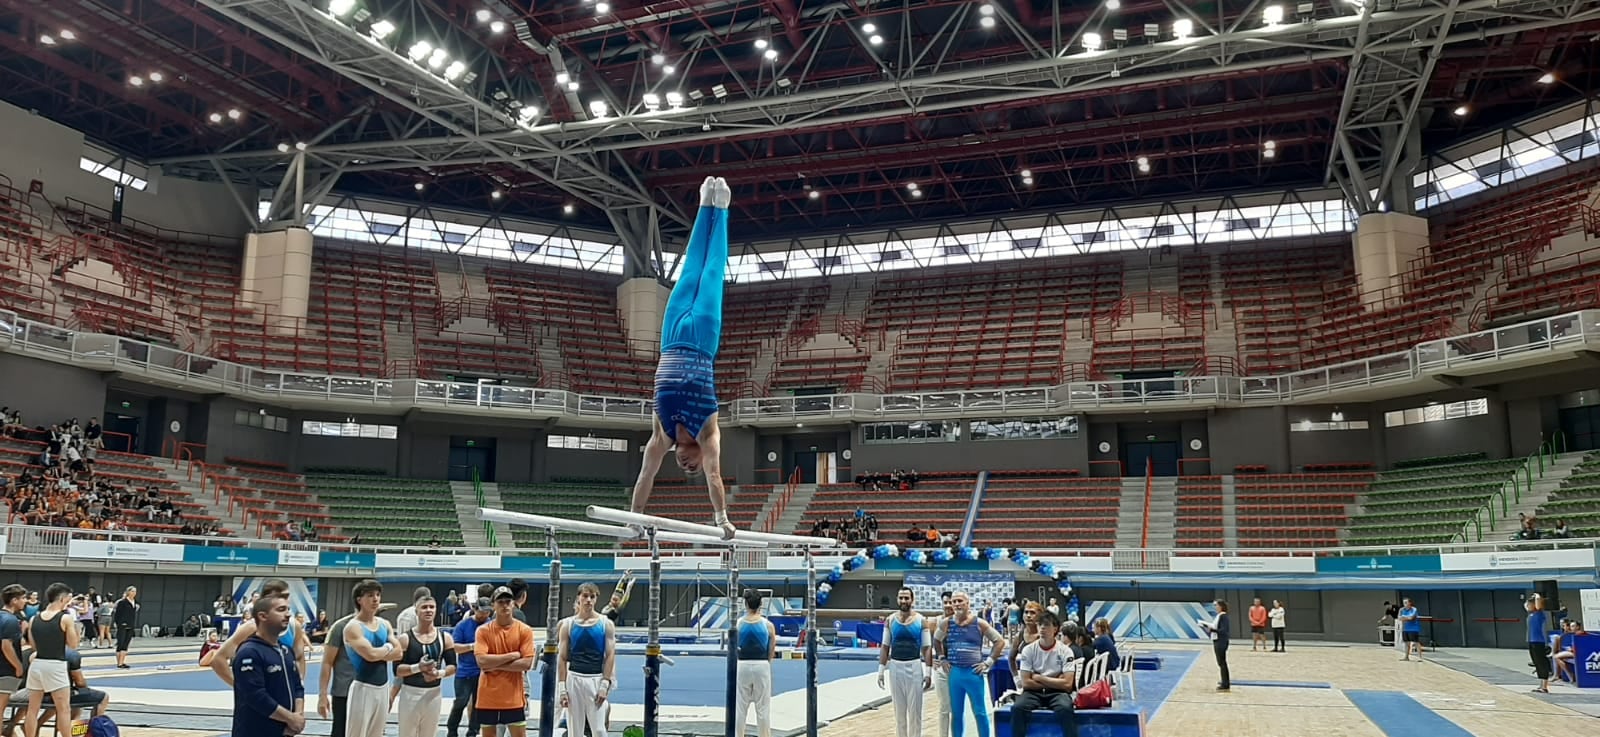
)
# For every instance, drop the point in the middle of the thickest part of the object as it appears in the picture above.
(691, 332)
(907, 659)
(960, 641)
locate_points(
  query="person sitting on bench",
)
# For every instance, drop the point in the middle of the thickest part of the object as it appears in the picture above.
(82, 698)
(1048, 680)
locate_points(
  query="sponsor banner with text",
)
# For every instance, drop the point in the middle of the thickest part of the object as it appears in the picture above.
(111, 550)
(444, 562)
(641, 561)
(1519, 559)
(299, 558)
(230, 556)
(1080, 563)
(347, 560)
(1235, 564)
(1380, 564)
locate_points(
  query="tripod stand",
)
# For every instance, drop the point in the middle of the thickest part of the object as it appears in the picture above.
(1139, 630)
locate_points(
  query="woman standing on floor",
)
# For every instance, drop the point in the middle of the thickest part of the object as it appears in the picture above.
(1218, 628)
(1278, 617)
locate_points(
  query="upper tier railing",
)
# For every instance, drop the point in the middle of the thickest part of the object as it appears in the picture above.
(1537, 341)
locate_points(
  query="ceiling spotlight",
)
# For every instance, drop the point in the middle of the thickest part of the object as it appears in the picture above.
(342, 8)
(869, 28)
(668, 69)
(875, 40)
(528, 112)
(563, 78)
(419, 51)
(567, 209)
(1272, 15)
(916, 193)
(1182, 28)
(1027, 181)
(381, 29)
(761, 43)
(438, 58)
(652, 101)
(484, 15)
(599, 108)
(215, 117)
(658, 58)
(1270, 153)
(497, 194)
(1461, 111)
(1113, 4)
(1142, 161)
(770, 54)
(136, 81)
(419, 186)
(986, 9)
(675, 99)
(157, 77)
(602, 8)
(67, 34)
(1026, 173)
(455, 70)
(1091, 41)
(301, 146)
(1269, 144)
(911, 186)
(814, 194)
(721, 91)
(47, 40)
(986, 21)
(572, 86)
(498, 26)
(235, 114)
(1144, 168)
(283, 148)
(1547, 78)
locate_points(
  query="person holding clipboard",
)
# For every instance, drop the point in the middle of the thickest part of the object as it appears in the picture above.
(1218, 629)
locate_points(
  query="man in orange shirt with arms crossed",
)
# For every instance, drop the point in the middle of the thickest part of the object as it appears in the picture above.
(504, 650)
(1258, 626)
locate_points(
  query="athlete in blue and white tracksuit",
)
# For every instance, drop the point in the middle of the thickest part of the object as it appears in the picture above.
(691, 332)
(961, 641)
(907, 658)
(757, 644)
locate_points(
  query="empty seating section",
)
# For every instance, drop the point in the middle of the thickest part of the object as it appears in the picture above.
(1046, 512)
(1577, 502)
(1198, 522)
(452, 354)
(941, 502)
(1147, 350)
(1351, 331)
(1003, 327)
(1559, 283)
(762, 319)
(389, 511)
(1273, 294)
(1294, 510)
(567, 501)
(22, 234)
(272, 499)
(580, 312)
(1194, 281)
(838, 369)
(1427, 504)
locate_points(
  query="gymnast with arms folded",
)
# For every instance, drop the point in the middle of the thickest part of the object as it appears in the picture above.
(691, 332)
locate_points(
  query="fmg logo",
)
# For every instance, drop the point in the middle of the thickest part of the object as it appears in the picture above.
(1592, 663)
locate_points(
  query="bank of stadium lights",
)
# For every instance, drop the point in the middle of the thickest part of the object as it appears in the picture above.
(599, 108)
(1092, 41)
(1143, 162)
(1272, 15)
(1269, 149)
(1027, 177)
(1182, 29)
(675, 100)
(652, 102)
(381, 30)
(1113, 4)
(65, 34)
(341, 8)
(986, 15)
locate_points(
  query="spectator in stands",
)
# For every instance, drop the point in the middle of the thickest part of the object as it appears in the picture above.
(915, 534)
(1560, 532)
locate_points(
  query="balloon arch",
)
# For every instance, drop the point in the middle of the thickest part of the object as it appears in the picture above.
(919, 556)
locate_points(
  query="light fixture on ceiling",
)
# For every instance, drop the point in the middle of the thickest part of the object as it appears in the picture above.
(342, 8)
(675, 99)
(136, 81)
(875, 40)
(986, 9)
(419, 51)
(157, 77)
(1182, 28)
(599, 108)
(215, 117)
(67, 34)
(916, 193)
(869, 28)
(528, 112)
(1026, 173)
(1091, 41)
(602, 8)
(455, 70)
(47, 40)
(497, 194)
(235, 113)
(301, 146)
(814, 194)
(658, 58)
(563, 78)
(761, 43)
(668, 70)
(438, 58)
(1113, 4)
(283, 148)
(986, 21)
(1272, 15)
(419, 186)
(567, 209)
(484, 15)
(498, 26)
(913, 186)
(652, 101)
(381, 29)
(572, 86)
(770, 54)
(1461, 111)
(1547, 78)
(721, 91)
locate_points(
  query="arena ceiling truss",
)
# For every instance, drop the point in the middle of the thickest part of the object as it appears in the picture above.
(828, 116)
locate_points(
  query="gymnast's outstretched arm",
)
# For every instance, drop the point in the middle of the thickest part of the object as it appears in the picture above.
(655, 450)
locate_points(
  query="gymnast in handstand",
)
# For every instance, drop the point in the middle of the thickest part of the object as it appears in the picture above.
(691, 332)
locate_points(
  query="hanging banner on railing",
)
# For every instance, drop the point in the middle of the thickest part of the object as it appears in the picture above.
(1379, 564)
(347, 560)
(707, 562)
(450, 562)
(1233, 564)
(797, 562)
(1521, 559)
(113, 550)
(298, 558)
(1079, 563)
(230, 556)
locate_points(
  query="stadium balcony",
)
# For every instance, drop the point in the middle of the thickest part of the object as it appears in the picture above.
(383, 510)
(563, 500)
(1198, 520)
(456, 354)
(941, 500)
(1294, 510)
(1048, 511)
(1428, 501)
(1576, 502)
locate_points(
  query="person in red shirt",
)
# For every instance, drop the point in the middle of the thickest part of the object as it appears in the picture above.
(505, 654)
(1258, 626)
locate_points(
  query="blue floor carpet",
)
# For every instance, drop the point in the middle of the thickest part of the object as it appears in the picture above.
(1399, 715)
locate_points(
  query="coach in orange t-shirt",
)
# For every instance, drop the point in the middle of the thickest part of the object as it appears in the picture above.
(505, 653)
(1258, 626)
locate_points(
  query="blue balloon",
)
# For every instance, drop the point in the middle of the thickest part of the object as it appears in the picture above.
(1048, 570)
(834, 576)
(941, 555)
(822, 598)
(837, 570)
(879, 552)
(919, 557)
(993, 553)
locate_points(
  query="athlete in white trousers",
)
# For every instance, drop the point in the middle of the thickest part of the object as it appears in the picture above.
(586, 665)
(907, 658)
(428, 659)
(757, 645)
(370, 645)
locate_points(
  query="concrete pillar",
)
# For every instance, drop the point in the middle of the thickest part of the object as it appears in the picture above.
(277, 275)
(1385, 244)
(641, 302)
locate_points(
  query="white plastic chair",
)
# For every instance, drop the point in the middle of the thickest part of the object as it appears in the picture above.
(1094, 670)
(1125, 675)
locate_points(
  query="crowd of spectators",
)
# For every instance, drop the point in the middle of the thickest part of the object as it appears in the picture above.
(896, 479)
(856, 530)
(1530, 530)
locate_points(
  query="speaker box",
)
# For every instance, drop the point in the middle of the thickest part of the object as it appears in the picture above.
(1548, 591)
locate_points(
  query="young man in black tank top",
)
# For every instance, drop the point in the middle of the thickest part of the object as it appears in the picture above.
(429, 658)
(51, 633)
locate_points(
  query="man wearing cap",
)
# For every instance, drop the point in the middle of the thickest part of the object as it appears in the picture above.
(505, 653)
(465, 636)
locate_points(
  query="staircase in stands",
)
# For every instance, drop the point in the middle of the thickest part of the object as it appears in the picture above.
(1130, 513)
(232, 515)
(1506, 525)
(1163, 513)
(466, 499)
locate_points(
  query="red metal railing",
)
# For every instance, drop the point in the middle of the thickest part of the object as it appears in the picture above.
(776, 513)
(1149, 486)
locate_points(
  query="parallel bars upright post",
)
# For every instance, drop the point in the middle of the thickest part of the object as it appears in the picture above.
(811, 643)
(547, 687)
(734, 729)
(652, 648)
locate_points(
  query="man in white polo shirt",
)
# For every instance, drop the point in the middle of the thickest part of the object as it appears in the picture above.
(1047, 681)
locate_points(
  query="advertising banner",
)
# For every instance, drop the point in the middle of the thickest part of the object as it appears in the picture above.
(797, 562)
(307, 558)
(1380, 564)
(1519, 559)
(302, 593)
(230, 556)
(347, 560)
(440, 562)
(708, 562)
(1079, 563)
(112, 550)
(1236, 564)
(927, 587)
(538, 564)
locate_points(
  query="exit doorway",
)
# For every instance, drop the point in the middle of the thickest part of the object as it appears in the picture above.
(467, 454)
(1161, 455)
